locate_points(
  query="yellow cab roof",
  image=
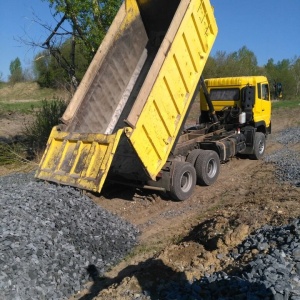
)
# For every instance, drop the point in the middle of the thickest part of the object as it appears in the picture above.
(234, 81)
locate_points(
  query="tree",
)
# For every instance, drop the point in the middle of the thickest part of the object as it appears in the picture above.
(244, 62)
(82, 24)
(296, 74)
(49, 72)
(42, 69)
(16, 73)
(89, 21)
(239, 63)
(282, 72)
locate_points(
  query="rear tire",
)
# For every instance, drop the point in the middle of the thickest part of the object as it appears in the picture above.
(193, 155)
(259, 146)
(183, 181)
(207, 167)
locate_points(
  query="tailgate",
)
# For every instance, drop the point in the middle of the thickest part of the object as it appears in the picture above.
(80, 160)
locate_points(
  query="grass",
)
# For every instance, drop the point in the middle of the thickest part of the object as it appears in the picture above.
(35, 134)
(288, 104)
(145, 248)
(9, 155)
(20, 107)
(13, 157)
(26, 97)
(27, 91)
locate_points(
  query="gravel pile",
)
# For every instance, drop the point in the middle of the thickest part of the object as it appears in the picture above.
(50, 234)
(274, 273)
(287, 160)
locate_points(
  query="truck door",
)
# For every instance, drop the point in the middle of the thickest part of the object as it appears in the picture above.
(262, 110)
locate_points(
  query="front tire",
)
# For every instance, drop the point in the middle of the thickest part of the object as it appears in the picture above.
(183, 181)
(259, 146)
(207, 167)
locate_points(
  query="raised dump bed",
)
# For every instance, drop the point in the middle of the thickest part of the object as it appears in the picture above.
(126, 115)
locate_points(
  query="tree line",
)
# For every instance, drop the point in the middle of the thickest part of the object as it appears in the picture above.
(244, 63)
(66, 53)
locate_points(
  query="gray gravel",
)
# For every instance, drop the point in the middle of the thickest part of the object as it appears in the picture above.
(287, 159)
(50, 234)
(273, 274)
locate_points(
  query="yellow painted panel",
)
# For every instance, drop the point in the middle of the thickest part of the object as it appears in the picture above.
(81, 160)
(262, 108)
(228, 82)
(165, 109)
(190, 42)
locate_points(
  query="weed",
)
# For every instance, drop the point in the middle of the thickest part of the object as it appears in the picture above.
(14, 156)
(45, 119)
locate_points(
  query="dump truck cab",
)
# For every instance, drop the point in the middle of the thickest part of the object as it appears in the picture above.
(232, 95)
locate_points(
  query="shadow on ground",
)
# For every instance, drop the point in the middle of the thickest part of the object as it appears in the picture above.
(157, 281)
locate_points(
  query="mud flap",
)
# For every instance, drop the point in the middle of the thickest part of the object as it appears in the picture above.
(78, 159)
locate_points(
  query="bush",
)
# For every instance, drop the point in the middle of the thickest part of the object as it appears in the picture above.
(46, 118)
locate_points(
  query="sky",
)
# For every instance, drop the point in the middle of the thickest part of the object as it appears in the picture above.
(271, 29)
(19, 21)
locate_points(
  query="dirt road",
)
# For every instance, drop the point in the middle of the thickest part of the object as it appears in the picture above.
(185, 239)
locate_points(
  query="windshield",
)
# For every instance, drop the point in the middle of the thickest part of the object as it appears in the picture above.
(225, 94)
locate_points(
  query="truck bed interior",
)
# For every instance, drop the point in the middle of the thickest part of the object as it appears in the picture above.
(114, 88)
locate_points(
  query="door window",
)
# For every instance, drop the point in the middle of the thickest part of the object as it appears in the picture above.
(265, 91)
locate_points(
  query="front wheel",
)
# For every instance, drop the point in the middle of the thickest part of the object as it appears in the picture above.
(207, 167)
(183, 181)
(259, 146)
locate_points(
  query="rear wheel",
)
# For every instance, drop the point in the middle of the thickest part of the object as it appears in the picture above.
(259, 146)
(183, 181)
(207, 167)
(193, 155)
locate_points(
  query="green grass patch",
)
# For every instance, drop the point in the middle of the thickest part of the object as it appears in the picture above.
(20, 107)
(285, 104)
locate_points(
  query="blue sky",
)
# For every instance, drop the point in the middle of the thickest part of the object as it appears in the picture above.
(16, 21)
(271, 29)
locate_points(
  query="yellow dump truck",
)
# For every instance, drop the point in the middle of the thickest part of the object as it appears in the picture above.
(125, 121)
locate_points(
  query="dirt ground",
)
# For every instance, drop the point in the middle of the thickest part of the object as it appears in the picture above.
(185, 240)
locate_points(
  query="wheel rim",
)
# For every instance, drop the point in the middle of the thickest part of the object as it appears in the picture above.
(186, 181)
(261, 147)
(211, 168)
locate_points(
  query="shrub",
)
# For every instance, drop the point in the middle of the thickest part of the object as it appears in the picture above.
(46, 118)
